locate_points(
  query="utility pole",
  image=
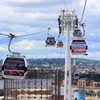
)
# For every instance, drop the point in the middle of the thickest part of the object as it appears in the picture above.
(67, 18)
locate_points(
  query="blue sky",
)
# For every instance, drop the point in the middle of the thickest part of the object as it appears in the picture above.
(30, 16)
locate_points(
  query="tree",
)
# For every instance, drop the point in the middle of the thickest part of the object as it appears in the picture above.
(98, 93)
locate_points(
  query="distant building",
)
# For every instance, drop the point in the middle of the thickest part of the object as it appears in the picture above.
(43, 85)
(86, 84)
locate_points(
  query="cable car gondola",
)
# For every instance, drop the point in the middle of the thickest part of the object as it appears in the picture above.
(14, 67)
(50, 41)
(79, 47)
(60, 44)
(77, 33)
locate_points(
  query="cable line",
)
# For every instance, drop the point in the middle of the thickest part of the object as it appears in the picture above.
(83, 11)
(14, 36)
(30, 34)
(4, 34)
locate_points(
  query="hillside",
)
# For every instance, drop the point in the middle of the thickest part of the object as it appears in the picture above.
(61, 61)
(83, 62)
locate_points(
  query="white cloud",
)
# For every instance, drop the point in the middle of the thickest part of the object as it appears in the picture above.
(94, 55)
(3, 48)
(13, 19)
(92, 8)
(11, 16)
(53, 55)
(27, 45)
(23, 1)
(23, 45)
(94, 45)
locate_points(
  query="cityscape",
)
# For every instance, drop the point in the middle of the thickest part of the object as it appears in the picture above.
(49, 50)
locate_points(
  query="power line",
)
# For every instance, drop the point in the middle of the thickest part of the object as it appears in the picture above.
(83, 11)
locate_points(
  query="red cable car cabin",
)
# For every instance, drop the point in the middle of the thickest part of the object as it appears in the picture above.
(78, 47)
(14, 66)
